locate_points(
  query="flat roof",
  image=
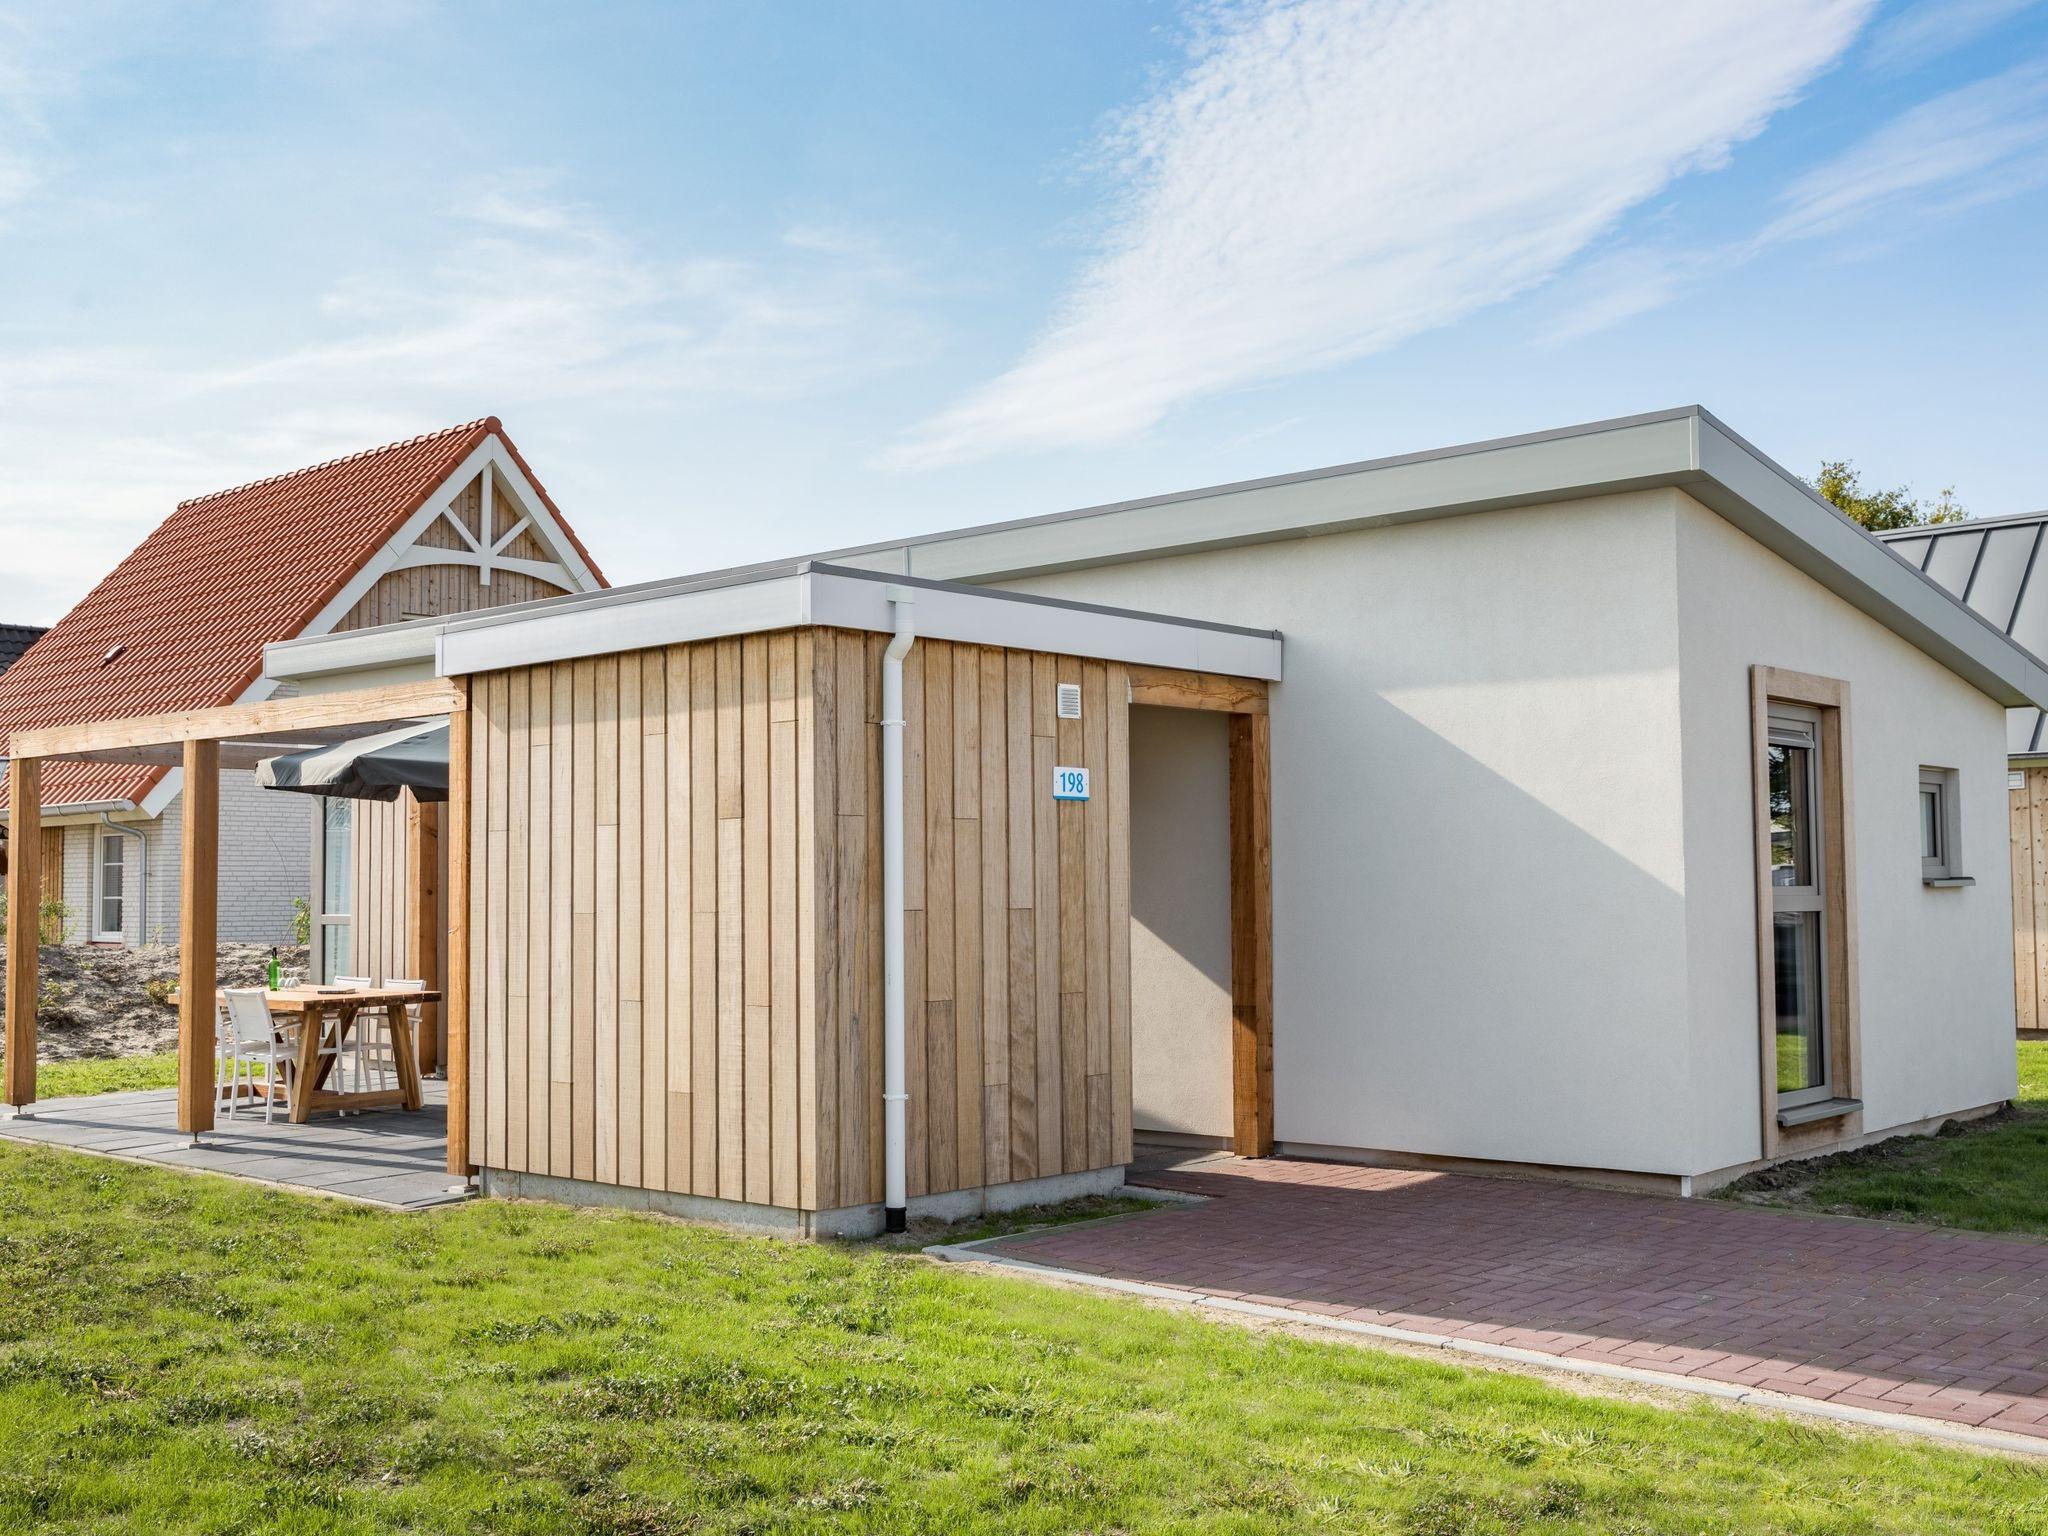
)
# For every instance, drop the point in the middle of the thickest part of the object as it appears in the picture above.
(752, 599)
(1686, 448)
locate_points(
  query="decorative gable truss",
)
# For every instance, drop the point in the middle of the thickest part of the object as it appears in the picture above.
(485, 538)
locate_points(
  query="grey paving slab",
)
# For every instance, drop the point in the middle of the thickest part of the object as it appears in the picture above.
(388, 1157)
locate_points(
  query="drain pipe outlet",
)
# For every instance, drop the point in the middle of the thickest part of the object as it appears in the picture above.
(895, 1094)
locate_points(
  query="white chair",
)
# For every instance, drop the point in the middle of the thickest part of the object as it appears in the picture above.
(369, 1047)
(412, 1010)
(252, 1043)
(223, 1047)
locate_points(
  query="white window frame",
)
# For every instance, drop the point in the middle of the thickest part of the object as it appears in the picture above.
(104, 838)
(1945, 865)
(324, 920)
(1799, 725)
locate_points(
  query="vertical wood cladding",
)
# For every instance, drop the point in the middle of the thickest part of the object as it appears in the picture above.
(676, 903)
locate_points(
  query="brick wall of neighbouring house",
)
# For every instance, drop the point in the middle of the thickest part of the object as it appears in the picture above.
(266, 845)
(265, 857)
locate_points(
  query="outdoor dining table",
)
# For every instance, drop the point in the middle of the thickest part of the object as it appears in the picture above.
(325, 1016)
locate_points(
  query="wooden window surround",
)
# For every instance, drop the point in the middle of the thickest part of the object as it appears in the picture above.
(1842, 1116)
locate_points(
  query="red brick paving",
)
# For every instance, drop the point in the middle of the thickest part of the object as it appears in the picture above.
(1945, 1325)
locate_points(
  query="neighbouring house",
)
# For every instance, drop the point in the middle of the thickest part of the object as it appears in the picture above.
(445, 522)
(15, 639)
(1544, 804)
(1991, 565)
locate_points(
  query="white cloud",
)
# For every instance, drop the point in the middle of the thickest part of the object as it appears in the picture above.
(1983, 141)
(534, 304)
(296, 26)
(1327, 177)
(1977, 144)
(536, 299)
(1932, 28)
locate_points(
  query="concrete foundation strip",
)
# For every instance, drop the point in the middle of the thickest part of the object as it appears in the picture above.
(1779, 1402)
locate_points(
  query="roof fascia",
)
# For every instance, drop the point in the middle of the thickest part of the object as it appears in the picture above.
(1688, 449)
(1789, 518)
(1626, 454)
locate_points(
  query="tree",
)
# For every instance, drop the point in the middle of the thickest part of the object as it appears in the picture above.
(1880, 511)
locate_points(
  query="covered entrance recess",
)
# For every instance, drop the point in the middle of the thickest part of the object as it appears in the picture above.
(1201, 913)
(402, 1160)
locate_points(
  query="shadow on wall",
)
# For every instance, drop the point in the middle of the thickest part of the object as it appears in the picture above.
(1478, 965)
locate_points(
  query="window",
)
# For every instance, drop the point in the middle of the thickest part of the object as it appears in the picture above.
(1940, 827)
(1805, 913)
(1798, 906)
(110, 886)
(331, 928)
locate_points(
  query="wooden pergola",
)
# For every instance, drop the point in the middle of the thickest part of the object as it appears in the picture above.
(202, 742)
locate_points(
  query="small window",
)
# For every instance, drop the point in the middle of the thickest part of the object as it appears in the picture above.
(1940, 840)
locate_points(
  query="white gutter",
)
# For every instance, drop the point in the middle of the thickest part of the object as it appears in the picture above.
(895, 1092)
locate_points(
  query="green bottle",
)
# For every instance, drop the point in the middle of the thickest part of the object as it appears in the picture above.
(274, 975)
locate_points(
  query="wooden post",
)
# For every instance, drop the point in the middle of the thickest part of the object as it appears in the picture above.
(422, 916)
(1251, 935)
(457, 952)
(24, 894)
(198, 913)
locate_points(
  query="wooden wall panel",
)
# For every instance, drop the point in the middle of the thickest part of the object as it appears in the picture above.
(1017, 918)
(379, 888)
(640, 906)
(2029, 808)
(676, 899)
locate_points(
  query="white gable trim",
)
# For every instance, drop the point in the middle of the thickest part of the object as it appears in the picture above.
(491, 453)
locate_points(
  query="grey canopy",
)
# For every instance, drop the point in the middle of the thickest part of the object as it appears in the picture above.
(413, 757)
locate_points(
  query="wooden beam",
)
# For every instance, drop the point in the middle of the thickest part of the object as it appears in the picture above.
(24, 891)
(457, 1006)
(423, 917)
(1176, 689)
(361, 706)
(198, 911)
(1251, 935)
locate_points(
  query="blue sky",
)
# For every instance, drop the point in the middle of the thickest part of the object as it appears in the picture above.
(746, 281)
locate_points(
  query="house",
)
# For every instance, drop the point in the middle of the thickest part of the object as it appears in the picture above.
(1990, 565)
(445, 522)
(15, 639)
(1544, 805)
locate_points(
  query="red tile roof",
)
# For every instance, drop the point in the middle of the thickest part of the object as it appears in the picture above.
(182, 622)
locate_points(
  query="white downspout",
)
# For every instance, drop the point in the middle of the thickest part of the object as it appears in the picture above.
(895, 1093)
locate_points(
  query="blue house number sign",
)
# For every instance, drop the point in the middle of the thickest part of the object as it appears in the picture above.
(1070, 783)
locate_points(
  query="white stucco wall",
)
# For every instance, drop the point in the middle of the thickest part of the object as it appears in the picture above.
(1478, 862)
(1180, 922)
(1935, 966)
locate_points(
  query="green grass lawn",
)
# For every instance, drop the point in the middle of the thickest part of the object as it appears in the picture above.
(106, 1074)
(1991, 1175)
(187, 1354)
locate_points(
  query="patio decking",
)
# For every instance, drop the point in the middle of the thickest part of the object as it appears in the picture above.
(387, 1157)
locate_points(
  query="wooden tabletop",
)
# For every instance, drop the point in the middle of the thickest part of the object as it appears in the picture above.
(301, 999)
